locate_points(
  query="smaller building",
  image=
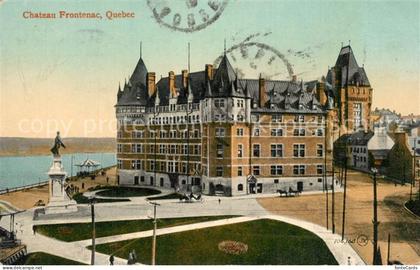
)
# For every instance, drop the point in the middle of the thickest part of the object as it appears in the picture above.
(404, 157)
(364, 149)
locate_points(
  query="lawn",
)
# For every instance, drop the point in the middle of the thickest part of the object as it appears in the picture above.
(79, 198)
(81, 231)
(269, 243)
(171, 196)
(41, 258)
(127, 192)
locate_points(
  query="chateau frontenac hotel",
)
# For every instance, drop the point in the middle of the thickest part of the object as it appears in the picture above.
(213, 132)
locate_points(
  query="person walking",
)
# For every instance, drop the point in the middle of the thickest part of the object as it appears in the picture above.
(220, 200)
(111, 260)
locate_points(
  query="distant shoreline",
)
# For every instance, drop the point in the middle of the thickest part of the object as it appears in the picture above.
(20, 146)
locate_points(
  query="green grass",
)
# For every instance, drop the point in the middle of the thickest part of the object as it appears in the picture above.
(79, 198)
(127, 192)
(81, 231)
(166, 197)
(41, 258)
(269, 243)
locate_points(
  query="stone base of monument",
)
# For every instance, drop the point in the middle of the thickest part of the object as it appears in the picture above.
(59, 202)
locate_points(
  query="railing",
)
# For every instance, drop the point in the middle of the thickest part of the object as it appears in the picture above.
(39, 184)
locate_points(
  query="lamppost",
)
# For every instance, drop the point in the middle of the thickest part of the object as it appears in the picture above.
(155, 114)
(375, 220)
(154, 232)
(344, 192)
(92, 212)
(189, 111)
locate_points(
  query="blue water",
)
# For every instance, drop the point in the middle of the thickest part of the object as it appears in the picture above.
(21, 171)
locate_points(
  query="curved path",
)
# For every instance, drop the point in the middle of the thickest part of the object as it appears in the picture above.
(248, 207)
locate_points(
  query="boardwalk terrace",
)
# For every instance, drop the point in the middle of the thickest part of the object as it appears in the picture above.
(211, 131)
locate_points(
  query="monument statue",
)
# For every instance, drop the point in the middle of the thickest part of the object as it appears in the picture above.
(59, 200)
(57, 144)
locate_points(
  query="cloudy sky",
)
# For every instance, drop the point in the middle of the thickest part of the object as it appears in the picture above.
(64, 73)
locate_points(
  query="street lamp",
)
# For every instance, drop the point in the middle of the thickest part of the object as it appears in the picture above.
(92, 201)
(375, 220)
(155, 114)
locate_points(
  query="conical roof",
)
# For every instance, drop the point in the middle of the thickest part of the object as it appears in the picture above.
(139, 74)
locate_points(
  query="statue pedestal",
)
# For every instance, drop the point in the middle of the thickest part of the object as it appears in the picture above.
(59, 201)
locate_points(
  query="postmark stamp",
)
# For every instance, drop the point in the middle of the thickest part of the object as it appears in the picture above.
(191, 16)
(250, 55)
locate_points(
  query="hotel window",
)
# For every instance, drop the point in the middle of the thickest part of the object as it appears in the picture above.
(219, 103)
(256, 170)
(357, 114)
(240, 103)
(172, 149)
(119, 148)
(319, 169)
(299, 132)
(152, 165)
(276, 118)
(196, 149)
(136, 164)
(196, 133)
(119, 134)
(276, 170)
(161, 149)
(276, 181)
(219, 150)
(256, 132)
(320, 132)
(119, 164)
(240, 132)
(170, 166)
(299, 118)
(319, 150)
(276, 132)
(240, 118)
(320, 119)
(276, 150)
(240, 150)
(220, 132)
(299, 169)
(239, 171)
(163, 166)
(219, 171)
(184, 167)
(184, 149)
(299, 150)
(256, 150)
(176, 165)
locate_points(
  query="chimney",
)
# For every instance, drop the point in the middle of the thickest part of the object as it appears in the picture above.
(171, 80)
(262, 94)
(320, 93)
(151, 83)
(400, 138)
(184, 78)
(209, 72)
(294, 78)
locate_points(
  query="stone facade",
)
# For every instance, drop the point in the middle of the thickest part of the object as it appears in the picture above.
(210, 131)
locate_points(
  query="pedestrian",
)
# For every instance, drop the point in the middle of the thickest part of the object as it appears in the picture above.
(83, 185)
(111, 260)
(220, 200)
(34, 230)
(107, 179)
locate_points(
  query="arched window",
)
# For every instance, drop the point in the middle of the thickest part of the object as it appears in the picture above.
(240, 187)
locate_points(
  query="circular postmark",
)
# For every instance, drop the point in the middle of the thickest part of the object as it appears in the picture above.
(193, 15)
(233, 247)
(362, 240)
(251, 55)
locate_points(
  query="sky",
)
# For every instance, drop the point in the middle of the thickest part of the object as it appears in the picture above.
(64, 73)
